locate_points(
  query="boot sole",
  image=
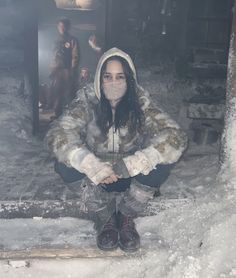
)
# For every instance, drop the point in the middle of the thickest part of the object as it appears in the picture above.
(108, 249)
(128, 250)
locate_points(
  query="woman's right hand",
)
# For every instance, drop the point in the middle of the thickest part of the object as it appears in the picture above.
(95, 169)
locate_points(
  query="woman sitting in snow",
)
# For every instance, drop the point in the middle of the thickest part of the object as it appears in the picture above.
(120, 145)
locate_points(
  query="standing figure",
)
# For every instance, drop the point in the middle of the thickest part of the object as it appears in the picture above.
(122, 147)
(64, 69)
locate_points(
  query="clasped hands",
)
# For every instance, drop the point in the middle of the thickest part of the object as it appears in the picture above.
(104, 172)
(113, 177)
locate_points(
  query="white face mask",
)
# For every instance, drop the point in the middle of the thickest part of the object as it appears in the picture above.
(114, 91)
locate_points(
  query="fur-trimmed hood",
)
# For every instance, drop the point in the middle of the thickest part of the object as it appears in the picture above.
(110, 53)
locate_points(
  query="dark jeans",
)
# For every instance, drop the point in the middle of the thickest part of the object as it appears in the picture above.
(154, 179)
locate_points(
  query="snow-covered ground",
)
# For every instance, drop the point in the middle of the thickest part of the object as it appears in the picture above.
(193, 236)
(190, 240)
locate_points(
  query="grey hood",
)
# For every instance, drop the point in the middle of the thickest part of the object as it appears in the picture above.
(111, 52)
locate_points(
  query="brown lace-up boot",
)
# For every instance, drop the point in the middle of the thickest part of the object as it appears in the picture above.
(107, 239)
(129, 237)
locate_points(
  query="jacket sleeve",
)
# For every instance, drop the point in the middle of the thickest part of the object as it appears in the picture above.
(164, 141)
(66, 140)
(67, 134)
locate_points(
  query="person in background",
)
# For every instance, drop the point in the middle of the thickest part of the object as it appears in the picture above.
(64, 68)
(93, 55)
(118, 146)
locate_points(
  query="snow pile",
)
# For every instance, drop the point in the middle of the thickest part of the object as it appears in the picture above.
(22, 156)
(15, 116)
(229, 167)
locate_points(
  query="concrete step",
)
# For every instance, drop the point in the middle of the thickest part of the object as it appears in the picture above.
(63, 238)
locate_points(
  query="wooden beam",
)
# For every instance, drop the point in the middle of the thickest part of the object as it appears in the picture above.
(108, 24)
(226, 152)
(183, 10)
(31, 57)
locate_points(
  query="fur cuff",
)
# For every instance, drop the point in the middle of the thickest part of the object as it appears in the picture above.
(142, 161)
(90, 165)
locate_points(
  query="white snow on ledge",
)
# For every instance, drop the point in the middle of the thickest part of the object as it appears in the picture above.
(195, 240)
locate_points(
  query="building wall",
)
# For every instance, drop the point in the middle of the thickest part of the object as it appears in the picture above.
(11, 34)
(166, 29)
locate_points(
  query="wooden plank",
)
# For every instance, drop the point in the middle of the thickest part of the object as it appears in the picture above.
(42, 208)
(63, 252)
(72, 208)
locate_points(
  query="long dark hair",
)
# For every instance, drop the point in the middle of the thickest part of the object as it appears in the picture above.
(128, 111)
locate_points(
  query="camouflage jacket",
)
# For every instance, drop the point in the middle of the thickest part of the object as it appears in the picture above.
(77, 128)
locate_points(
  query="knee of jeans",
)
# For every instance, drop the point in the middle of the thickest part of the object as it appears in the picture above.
(141, 192)
(156, 177)
(120, 186)
(67, 174)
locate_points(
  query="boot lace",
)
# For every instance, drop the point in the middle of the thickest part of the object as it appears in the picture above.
(127, 222)
(111, 223)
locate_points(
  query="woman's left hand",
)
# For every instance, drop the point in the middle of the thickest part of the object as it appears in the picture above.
(111, 179)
